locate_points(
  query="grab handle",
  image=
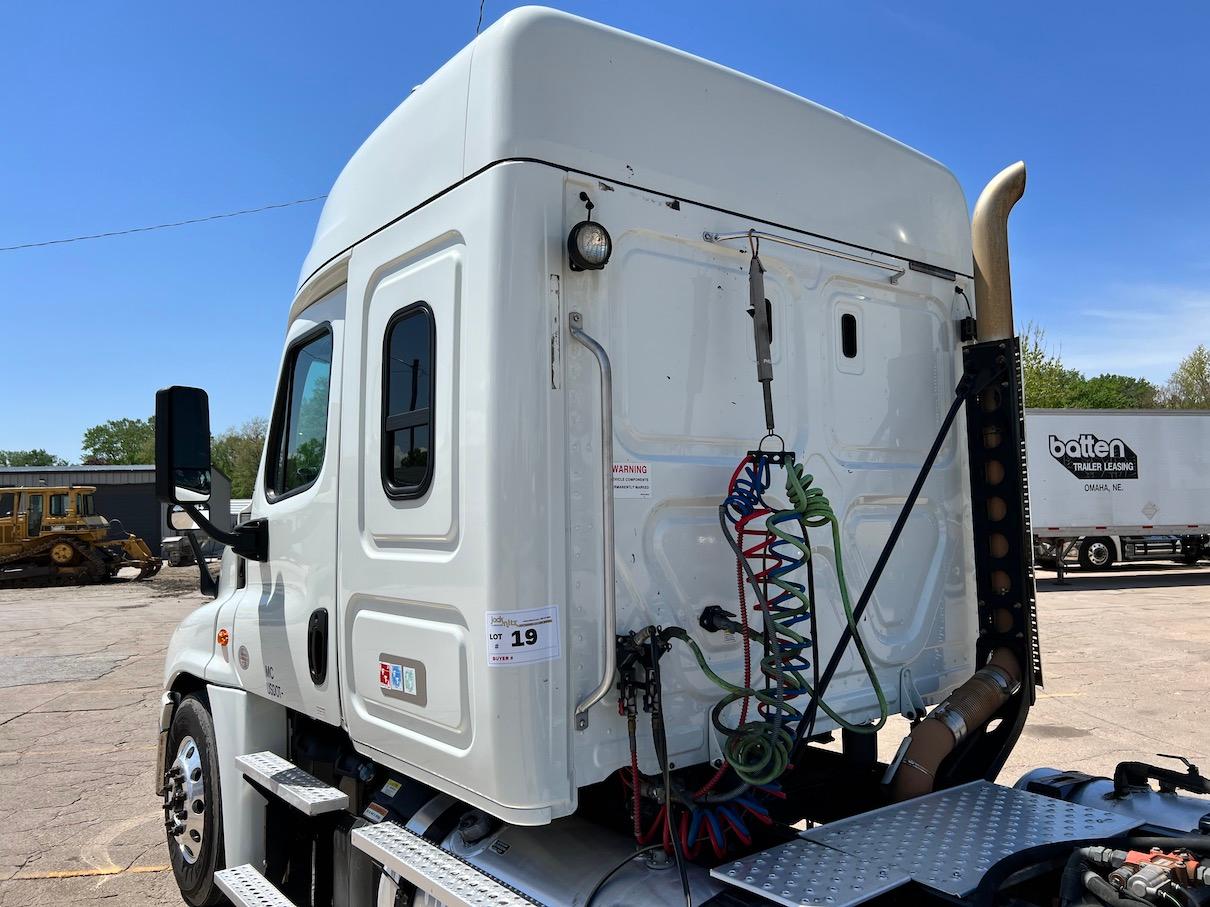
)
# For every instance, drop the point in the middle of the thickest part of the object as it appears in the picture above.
(609, 631)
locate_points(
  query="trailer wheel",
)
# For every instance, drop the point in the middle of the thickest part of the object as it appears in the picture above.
(1097, 553)
(193, 814)
(1191, 551)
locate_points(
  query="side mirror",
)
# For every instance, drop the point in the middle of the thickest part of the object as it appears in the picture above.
(179, 519)
(182, 445)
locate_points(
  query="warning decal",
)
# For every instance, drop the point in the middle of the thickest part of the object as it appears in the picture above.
(631, 480)
(522, 637)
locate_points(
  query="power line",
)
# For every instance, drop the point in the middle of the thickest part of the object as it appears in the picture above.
(179, 223)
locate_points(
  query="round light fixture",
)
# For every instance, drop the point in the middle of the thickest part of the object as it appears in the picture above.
(589, 246)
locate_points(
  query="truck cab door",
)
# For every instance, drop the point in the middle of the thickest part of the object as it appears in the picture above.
(284, 622)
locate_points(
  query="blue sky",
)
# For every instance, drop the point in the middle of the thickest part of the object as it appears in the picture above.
(125, 114)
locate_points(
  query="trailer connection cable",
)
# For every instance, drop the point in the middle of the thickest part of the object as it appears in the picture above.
(760, 751)
(686, 816)
(785, 553)
(969, 386)
(811, 508)
(660, 739)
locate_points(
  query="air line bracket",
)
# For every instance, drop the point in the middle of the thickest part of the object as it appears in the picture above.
(774, 457)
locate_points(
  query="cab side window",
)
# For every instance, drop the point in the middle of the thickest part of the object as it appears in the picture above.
(300, 421)
(407, 402)
(58, 505)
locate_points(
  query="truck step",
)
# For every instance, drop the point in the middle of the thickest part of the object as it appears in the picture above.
(287, 781)
(245, 887)
(433, 870)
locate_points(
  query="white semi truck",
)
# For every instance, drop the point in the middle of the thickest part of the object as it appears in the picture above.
(1119, 485)
(634, 437)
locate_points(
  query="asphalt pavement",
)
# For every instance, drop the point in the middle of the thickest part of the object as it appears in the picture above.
(1126, 658)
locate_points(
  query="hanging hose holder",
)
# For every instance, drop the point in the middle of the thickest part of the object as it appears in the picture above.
(784, 458)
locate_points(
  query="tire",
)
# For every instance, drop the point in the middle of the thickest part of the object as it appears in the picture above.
(1097, 553)
(1191, 553)
(194, 862)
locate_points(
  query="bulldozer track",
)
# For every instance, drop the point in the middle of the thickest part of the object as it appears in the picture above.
(91, 567)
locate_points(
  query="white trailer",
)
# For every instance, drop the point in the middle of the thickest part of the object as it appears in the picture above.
(537, 602)
(1119, 484)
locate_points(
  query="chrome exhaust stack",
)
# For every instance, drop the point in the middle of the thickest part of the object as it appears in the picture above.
(957, 742)
(989, 244)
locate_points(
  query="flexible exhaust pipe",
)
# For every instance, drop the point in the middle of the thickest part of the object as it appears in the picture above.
(989, 245)
(966, 709)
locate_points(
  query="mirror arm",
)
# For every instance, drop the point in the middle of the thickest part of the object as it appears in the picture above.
(206, 583)
(250, 539)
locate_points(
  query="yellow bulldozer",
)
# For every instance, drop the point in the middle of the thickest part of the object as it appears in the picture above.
(53, 536)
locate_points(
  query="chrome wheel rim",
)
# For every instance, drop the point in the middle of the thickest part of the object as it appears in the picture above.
(1098, 554)
(185, 801)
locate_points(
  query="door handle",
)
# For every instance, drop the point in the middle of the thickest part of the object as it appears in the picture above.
(317, 645)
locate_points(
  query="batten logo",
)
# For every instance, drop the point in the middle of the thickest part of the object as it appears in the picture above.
(1088, 457)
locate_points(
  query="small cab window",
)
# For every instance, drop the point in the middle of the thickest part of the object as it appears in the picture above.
(300, 424)
(33, 505)
(84, 505)
(7, 500)
(407, 414)
(58, 505)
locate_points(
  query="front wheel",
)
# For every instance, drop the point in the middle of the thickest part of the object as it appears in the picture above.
(1096, 554)
(193, 815)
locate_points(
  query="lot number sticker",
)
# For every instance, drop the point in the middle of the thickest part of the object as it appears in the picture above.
(522, 637)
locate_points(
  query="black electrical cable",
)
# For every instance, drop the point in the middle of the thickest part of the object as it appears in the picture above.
(178, 223)
(963, 390)
(596, 889)
(660, 739)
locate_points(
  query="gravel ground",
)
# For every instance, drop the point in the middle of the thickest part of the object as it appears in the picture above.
(1126, 656)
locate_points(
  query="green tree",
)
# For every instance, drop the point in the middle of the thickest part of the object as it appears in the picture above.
(120, 441)
(237, 453)
(1115, 392)
(1048, 383)
(35, 457)
(1189, 386)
